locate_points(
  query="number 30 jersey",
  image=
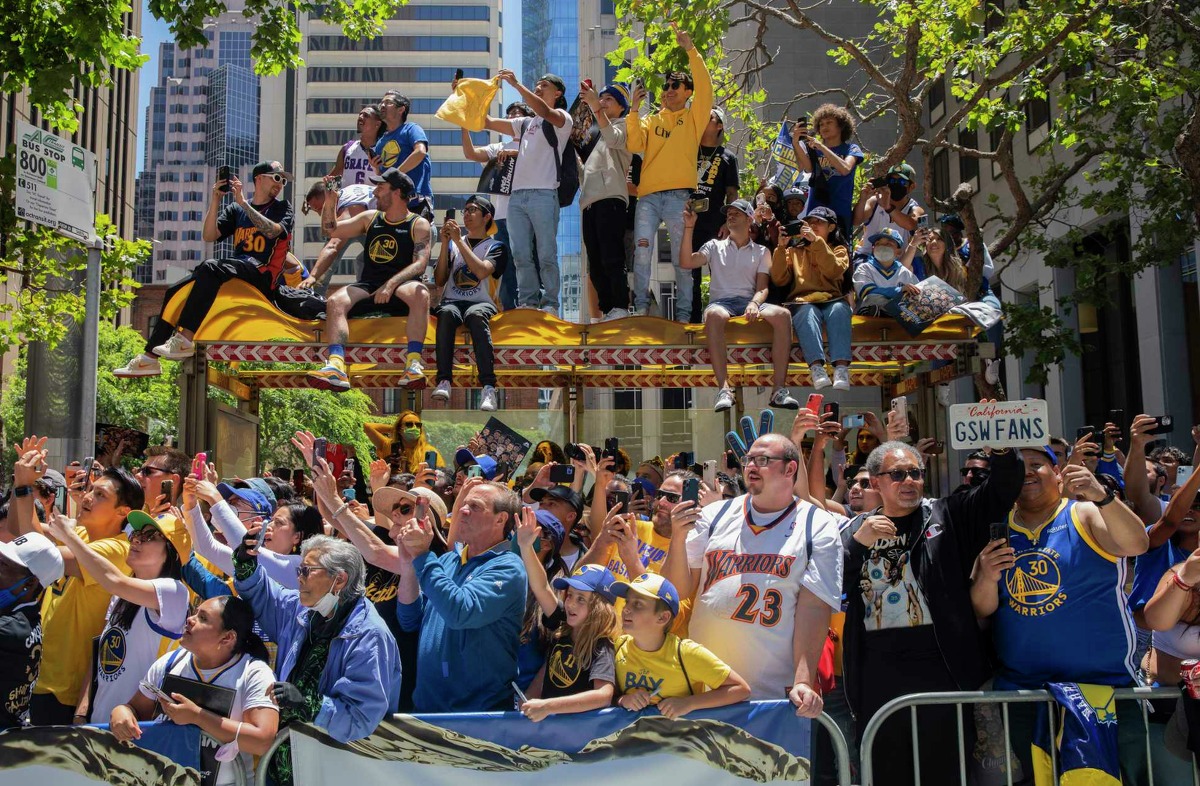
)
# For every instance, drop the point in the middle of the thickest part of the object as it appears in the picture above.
(752, 567)
(1063, 615)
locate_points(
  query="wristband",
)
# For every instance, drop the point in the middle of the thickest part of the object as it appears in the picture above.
(22, 491)
(1178, 582)
(345, 506)
(1108, 498)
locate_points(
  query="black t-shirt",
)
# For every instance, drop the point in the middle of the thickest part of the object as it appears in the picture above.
(716, 171)
(564, 675)
(20, 656)
(897, 616)
(635, 177)
(249, 243)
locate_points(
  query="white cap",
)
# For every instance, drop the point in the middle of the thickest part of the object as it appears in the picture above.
(38, 554)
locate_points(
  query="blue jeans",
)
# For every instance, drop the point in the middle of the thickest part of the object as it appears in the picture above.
(533, 215)
(807, 320)
(654, 209)
(508, 279)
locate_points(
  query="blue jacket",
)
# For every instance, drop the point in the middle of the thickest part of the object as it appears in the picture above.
(360, 685)
(469, 614)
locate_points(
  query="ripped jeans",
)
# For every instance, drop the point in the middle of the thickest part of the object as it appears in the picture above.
(654, 209)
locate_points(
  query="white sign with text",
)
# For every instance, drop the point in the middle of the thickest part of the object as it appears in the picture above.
(1005, 424)
(56, 183)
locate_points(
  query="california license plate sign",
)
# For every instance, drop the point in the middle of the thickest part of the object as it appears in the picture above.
(1005, 424)
(56, 183)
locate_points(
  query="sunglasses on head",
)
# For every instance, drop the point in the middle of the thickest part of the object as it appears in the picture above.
(899, 475)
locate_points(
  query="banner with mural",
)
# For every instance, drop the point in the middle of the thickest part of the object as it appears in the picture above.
(166, 755)
(757, 742)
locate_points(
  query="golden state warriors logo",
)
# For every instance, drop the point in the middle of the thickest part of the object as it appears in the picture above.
(1034, 583)
(1102, 701)
(382, 250)
(465, 280)
(562, 668)
(112, 652)
(390, 153)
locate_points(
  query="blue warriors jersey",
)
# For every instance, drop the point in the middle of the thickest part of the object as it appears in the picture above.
(1062, 614)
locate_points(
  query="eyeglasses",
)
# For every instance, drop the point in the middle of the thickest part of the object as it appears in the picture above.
(388, 102)
(145, 535)
(669, 496)
(276, 177)
(899, 475)
(763, 460)
(979, 472)
(147, 471)
(864, 483)
(404, 509)
(243, 515)
(674, 84)
(302, 571)
(472, 209)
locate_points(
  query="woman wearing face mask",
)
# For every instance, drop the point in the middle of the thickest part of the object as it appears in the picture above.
(219, 647)
(147, 613)
(337, 661)
(882, 277)
(409, 435)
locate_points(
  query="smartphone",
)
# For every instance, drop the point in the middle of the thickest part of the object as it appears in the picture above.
(1183, 474)
(158, 692)
(298, 479)
(710, 474)
(422, 511)
(879, 182)
(198, 465)
(1117, 418)
(320, 448)
(900, 407)
(349, 467)
(223, 174)
(1083, 431)
(698, 205)
(458, 74)
(937, 449)
(431, 458)
(168, 489)
(520, 695)
(562, 473)
(474, 471)
(832, 411)
(451, 213)
(621, 498)
(814, 402)
(1164, 424)
(574, 452)
(854, 421)
(89, 465)
(998, 530)
(611, 445)
(261, 537)
(349, 495)
(691, 491)
(731, 461)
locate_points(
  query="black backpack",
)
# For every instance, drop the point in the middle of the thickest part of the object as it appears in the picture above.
(568, 167)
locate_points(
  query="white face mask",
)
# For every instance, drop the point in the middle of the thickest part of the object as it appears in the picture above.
(885, 254)
(326, 604)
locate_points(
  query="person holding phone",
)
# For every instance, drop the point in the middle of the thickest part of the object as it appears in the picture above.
(468, 271)
(28, 565)
(888, 204)
(261, 229)
(716, 186)
(832, 159)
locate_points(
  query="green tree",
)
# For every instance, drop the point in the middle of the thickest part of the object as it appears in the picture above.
(1121, 75)
(284, 412)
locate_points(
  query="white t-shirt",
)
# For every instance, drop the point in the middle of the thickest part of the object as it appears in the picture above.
(500, 201)
(880, 220)
(248, 676)
(463, 285)
(734, 270)
(745, 608)
(126, 655)
(535, 161)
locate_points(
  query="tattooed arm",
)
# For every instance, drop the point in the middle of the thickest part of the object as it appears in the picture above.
(422, 240)
(263, 224)
(329, 213)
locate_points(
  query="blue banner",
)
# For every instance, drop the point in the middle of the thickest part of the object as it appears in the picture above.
(166, 755)
(784, 157)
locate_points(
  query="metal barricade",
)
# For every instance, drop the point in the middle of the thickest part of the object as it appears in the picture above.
(960, 698)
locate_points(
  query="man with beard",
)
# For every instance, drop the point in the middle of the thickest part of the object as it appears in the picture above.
(261, 230)
(396, 255)
(629, 547)
(353, 163)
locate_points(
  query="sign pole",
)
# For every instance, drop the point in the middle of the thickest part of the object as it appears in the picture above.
(89, 354)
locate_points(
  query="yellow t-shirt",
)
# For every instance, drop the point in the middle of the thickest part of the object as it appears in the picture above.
(662, 671)
(73, 612)
(652, 548)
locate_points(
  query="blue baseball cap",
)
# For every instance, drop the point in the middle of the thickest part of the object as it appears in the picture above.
(647, 486)
(259, 503)
(552, 528)
(259, 485)
(590, 578)
(887, 233)
(463, 458)
(651, 585)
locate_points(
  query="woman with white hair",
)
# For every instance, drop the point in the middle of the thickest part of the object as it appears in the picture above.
(338, 662)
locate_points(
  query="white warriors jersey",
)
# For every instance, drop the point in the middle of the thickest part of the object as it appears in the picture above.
(356, 166)
(356, 195)
(752, 568)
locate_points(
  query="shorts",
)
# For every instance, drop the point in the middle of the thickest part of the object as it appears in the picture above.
(736, 306)
(393, 308)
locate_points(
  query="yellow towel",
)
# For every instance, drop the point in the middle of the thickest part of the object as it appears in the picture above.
(468, 106)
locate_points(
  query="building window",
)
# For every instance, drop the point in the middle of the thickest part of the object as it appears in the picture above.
(937, 100)
(168, 177)
(193, 177)
(455, 169)
(167, 215)
(400, 43)
(352, 106)
(193, 215)
(192, 235)
(317, 168)
(168, 234)
(1037, 121)
(968, 166)
(193, 196)
(190, 256)
(391, 74)
(941, 174)
(393, 400)
(168, 196)
(627, 398)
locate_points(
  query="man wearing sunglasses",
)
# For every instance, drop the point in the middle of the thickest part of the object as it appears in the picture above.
(910, 626)
(261, 230)
(974, 471)
(669, 142)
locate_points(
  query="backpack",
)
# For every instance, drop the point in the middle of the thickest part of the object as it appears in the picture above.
(567, 166)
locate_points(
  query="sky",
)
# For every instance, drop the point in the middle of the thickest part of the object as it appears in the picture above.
(154, 32)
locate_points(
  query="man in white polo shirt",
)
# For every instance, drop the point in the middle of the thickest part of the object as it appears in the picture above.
(739, 269)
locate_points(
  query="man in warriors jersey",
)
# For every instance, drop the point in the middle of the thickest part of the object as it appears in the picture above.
(396, 255)
(354, 163)
(766, 572)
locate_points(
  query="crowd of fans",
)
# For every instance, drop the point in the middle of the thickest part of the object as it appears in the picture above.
(788, 256)
(669, 584)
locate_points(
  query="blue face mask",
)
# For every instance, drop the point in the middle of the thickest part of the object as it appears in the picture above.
(10, 594)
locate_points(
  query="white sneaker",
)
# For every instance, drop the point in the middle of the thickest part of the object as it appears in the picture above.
(442, 393)
(176, 348)
(841, 377)
(820, 377)
(414, 376)
(140, 366)
(616, 313)
(487, 402)
(783, 398)
(724, 400)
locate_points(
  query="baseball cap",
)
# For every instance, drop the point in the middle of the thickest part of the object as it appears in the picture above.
(396, 179)
(270, 168)
(565, 493)
(54, 479)
(952, 220)
(1044, 449)
(720, 113)
(464, 458)
(742, 205)
(651, 585)
(619, 92)
(261, 505)
(824, 213)
(171, 528)
(905, 171)
(559, 85)
(794, 193)
(37, 554)
(259, 485)
(552, 528)
(388, 497)
(484, 203)
(887, 233)
(590, 578)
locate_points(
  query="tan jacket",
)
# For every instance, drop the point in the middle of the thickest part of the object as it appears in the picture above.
(814, 272)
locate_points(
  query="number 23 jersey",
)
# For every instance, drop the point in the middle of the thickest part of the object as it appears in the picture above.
(752, 568)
